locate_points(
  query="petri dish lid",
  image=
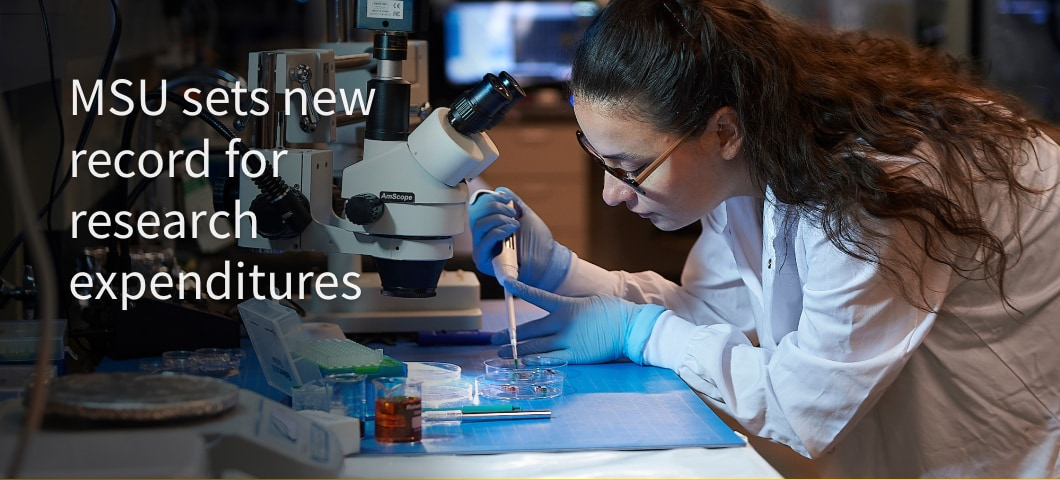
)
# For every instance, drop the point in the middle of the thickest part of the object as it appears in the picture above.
(431, 373)
(529, 362)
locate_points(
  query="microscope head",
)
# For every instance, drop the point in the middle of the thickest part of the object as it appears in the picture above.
(406, 195)
(414, 192)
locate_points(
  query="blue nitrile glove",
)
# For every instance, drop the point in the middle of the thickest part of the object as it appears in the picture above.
(543, 263)
(592, 329)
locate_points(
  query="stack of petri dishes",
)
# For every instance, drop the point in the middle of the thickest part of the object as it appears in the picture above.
(442, 386)
(210, 362)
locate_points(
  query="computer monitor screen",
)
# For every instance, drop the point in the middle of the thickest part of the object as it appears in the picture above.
(532, 40)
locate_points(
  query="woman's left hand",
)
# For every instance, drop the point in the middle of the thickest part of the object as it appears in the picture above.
(581, 330)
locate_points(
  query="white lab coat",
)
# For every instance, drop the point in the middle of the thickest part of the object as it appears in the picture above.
(809, 347)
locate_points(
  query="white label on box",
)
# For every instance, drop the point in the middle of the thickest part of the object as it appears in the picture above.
(392, 9)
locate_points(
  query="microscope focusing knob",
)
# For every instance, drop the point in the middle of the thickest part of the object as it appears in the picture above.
(364, 208)
(283, 217)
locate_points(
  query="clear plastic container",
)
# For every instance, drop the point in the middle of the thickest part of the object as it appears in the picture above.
(276, 333)
(19, 340)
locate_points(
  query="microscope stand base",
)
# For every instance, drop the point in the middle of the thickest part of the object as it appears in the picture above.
(407, 321)
(457, 306)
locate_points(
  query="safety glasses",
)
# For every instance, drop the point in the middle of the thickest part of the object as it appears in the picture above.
(634, 180)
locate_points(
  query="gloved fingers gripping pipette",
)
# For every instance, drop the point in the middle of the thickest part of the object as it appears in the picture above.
(543, 262)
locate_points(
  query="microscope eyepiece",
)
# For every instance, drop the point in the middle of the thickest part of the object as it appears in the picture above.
(516, 92)
(482, 106)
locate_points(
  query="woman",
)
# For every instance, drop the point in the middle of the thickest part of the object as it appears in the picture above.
(875, 285)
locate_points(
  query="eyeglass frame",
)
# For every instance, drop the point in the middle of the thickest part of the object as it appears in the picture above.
(628, 178)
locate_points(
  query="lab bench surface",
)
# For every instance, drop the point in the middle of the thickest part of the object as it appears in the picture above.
(616, 406)
(592, 461)
(615, 420)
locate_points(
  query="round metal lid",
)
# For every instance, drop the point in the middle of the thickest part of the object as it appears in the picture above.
(139, 397)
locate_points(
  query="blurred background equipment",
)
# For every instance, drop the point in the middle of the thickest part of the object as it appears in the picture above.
(449, 47)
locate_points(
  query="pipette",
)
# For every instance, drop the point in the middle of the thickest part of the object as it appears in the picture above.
(506, 264)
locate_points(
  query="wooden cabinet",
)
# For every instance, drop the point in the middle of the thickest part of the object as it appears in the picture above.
(542, 163)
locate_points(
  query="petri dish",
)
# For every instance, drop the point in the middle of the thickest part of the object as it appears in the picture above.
(529, 362)
(433, 372)
(152, 365)
(180, 361)
(214, 362)
(442, 384)
(447, 395)
(520, 384)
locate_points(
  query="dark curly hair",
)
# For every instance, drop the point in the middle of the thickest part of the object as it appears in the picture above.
(818, 109)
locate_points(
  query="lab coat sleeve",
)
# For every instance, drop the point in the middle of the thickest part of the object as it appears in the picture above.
(853, 337)
(711, 290)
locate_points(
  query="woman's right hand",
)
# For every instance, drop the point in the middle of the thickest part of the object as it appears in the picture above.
(543, 263)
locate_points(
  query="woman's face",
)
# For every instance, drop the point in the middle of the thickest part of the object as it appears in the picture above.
(701, 172)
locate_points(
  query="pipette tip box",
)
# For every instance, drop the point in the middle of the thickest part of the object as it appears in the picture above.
(289, 359)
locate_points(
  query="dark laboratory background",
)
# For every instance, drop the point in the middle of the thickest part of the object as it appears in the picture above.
(1015, 43)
